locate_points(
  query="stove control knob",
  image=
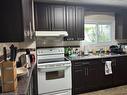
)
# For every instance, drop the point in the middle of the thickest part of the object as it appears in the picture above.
(41, 52)
(38, 52)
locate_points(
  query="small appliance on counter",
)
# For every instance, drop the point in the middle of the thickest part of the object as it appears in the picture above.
(115, 49)
(27, 59)
(123, 46)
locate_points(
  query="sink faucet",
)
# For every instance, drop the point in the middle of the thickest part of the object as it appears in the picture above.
(101, 51)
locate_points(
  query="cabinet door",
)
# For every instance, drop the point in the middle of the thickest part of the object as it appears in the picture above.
(79, 23)
(120, 26)
(27, 19)
(122, 69)
(78, 83)
(70, 10)
(11, 21)
(109, 79)
(75, 23)
(92, 75)
(42, 17)
(58, 17)
(77, 78)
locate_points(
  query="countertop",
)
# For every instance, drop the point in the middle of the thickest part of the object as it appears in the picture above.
(23, 83)
(94, 56)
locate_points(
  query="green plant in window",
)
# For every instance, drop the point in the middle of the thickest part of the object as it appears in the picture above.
(90, 33)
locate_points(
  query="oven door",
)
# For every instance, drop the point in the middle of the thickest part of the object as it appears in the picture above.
(56, 78)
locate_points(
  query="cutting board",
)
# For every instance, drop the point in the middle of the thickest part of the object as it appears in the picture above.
(21, 71)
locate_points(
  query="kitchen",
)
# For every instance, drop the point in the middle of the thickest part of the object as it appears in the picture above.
(53, 29)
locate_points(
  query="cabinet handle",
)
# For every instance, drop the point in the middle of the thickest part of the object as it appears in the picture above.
(30, 30)
(87, 71)
(115, 63)
(86, 63)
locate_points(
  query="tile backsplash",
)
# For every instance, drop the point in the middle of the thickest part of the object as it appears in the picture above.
(18, 45)
(7, 45)
(21, 45)
(55, 41)
(49, 41)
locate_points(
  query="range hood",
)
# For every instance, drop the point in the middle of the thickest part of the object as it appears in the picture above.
(51, 33)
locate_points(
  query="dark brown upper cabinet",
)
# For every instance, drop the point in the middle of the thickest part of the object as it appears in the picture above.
(50, 17)
(79, 23)
(42, 17)
(121, 25)
(58, 17)
(75, 23)
(16, 20)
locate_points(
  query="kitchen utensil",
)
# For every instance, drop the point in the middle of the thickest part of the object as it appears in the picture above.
(27, 51)
(22, 59)
(13, 53)
(32, 58)
(5, 53)
(28, 61)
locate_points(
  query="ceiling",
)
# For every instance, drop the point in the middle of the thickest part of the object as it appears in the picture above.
(122, 3)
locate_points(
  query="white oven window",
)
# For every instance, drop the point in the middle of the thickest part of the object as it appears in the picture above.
(55, 75)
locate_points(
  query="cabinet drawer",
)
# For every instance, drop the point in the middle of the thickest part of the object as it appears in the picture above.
(77, 65)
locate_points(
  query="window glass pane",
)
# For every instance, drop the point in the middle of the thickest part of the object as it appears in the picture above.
(104, 33)
(90, 33)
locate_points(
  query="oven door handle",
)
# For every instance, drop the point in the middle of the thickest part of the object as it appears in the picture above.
(64, 93)
(42, 69)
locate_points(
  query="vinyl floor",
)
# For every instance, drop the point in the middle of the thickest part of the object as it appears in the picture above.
(120, 90)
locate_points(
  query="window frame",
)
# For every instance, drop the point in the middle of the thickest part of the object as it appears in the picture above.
(102, 22)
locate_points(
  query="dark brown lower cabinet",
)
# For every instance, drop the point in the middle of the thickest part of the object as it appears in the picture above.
(92, 74)
(108, 79)
(77, 77)
(89, 75)
(86, 76)
(122, 70)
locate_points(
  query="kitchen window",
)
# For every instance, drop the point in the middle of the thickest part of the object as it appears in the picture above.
(99, 29)
(98, 33)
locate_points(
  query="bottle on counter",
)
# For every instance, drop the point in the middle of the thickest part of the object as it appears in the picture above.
(28, 58)
(68, 51)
